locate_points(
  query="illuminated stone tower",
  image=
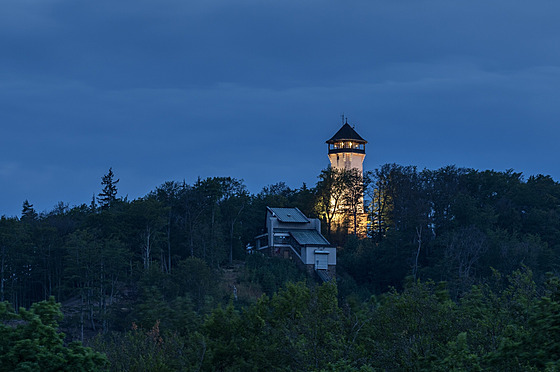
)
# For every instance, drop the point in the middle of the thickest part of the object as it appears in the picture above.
(347, 149)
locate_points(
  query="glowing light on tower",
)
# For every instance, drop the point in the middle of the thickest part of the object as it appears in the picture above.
(347, 149)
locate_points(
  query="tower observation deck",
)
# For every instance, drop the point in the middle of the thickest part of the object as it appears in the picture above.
(347, 149)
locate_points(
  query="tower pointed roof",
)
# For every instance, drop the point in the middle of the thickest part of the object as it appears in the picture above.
(346, 133)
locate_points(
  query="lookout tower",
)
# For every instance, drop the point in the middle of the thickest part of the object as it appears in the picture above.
(347, 149)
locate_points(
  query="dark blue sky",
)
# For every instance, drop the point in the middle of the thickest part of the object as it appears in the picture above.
(174, 89)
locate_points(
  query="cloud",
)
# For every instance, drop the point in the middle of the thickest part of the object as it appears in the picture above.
(176, 89)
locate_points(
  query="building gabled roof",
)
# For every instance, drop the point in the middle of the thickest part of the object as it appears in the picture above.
(346, 133)
(288, 215)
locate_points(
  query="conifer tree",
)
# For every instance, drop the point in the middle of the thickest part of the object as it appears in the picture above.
(109, 193)
(28, 212)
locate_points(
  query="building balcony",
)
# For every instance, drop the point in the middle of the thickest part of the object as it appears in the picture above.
(346, 150)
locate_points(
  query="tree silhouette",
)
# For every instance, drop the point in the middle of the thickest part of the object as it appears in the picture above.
(109, 193)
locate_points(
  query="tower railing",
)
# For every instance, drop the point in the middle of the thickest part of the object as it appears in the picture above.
(341, 150)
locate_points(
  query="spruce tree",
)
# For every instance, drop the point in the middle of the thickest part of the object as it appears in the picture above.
(109, 193)
(28, 212)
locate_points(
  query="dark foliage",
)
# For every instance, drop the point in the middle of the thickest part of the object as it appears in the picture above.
(154, 277)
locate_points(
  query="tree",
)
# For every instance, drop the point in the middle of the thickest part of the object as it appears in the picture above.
(84, 263)
(28, 212)
(223, 200)
(168, 194)
(409, 329)
(232, 204)
(353, 198)
(109, 193)
(30, 341)
(331, 189)
(381, 207)
(17, 261)
(193, 205)
(152, 349)
(298, 329)
(465, 247)
(148, 218)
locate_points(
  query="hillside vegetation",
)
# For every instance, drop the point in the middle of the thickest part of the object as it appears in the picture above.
(458, 269)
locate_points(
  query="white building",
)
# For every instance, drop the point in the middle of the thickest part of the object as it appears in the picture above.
(290, 234)
(347, 149)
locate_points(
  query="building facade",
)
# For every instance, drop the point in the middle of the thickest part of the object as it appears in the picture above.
(347, 149)
(291, 235)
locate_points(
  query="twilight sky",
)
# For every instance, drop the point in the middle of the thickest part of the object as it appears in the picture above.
(176, 89)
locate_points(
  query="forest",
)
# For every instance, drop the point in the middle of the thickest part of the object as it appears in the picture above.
(457, 269)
